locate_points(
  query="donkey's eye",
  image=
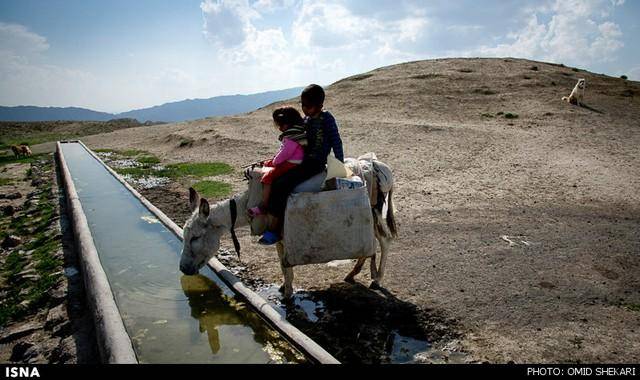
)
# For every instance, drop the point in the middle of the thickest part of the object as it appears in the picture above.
(194, 239)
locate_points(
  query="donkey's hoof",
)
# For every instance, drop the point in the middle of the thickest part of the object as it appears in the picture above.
(375, 285)
(350, 280)
(285, 294)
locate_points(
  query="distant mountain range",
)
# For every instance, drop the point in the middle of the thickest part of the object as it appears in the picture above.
(189, 109)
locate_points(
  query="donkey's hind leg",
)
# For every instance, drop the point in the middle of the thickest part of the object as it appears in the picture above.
(287, 287)
(377, 273)
(356, 269)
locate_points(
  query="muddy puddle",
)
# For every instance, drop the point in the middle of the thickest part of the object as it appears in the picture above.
(386, 330)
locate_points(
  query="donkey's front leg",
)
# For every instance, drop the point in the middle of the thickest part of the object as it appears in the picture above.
(287, 287)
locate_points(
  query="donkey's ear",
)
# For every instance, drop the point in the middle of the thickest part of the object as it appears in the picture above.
(194, 199)
(204, 208)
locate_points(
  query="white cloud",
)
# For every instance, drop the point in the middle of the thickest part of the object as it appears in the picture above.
(267, 6)
(16, 39)
(325, 40)
(576, 33)
(331, 24)
(464, 29)
(227, 22)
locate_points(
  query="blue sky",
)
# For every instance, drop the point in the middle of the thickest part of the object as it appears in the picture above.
(119, 55)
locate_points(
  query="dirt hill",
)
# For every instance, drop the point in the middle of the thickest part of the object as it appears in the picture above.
(519, 213)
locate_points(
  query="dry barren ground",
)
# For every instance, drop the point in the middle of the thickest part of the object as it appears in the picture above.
(522, 233)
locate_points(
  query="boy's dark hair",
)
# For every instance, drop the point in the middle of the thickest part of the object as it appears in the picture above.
(287, 115)
(313, 95)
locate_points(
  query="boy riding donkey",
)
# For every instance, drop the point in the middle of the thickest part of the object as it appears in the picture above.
(322, 137)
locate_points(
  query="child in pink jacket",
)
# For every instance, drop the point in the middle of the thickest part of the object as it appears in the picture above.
(294, 138)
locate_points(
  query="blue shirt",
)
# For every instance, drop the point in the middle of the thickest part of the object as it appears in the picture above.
(322, 136)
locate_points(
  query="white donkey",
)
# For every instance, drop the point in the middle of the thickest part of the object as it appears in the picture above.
(203, 229)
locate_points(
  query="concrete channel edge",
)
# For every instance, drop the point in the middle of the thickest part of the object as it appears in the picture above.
(114, 344)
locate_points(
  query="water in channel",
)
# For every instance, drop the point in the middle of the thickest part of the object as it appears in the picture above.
(171, 318)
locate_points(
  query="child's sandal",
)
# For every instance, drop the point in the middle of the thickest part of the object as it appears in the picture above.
(269, 238)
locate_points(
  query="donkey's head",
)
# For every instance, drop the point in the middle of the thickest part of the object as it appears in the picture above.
(201, 235)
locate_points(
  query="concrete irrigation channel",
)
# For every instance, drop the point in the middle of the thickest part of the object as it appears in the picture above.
(145, 310)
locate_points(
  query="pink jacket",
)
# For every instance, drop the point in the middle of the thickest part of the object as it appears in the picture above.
(290, 151)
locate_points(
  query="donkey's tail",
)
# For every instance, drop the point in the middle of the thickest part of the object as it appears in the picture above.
(391, 221)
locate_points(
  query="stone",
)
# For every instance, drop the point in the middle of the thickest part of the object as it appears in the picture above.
(59, 292)
(15, 195)
(11, 241)
(65, 352)
(23, 351)
(8, 210)
(56, 316)
(19, 330)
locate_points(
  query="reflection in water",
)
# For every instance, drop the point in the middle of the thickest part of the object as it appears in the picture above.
(171, 318)
(213, 309)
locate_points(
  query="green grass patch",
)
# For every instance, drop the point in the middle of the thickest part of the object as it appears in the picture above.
(212, 188)
(131, 152)
(148, 159)
(5, 181)
(141, 172)
(11, 159)
(510, 115)
(198, 169)
(633, 306)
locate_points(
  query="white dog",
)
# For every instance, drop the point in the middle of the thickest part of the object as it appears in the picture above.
(577, 95)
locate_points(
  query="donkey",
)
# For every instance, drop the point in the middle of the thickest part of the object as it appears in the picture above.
(202, 231)
(17, 150)
(21, 150)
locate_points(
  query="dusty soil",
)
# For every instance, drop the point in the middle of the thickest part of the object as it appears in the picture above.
(522, 234)
(57, 328)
